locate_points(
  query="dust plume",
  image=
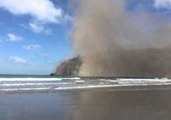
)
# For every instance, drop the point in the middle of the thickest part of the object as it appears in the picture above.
(114, 41)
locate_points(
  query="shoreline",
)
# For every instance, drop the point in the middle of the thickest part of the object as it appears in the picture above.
(126, 103)
(89, 89)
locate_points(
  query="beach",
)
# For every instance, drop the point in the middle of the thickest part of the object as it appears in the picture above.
(123, 103)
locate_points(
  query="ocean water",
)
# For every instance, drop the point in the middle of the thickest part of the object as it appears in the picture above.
(102, 98)
(14, 83)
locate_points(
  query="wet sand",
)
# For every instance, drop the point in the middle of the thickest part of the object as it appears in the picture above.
(133, 103)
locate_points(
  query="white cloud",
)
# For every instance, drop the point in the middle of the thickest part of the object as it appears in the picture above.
(39, 28)
(68, 18)
(32, 47)
(41, 10)
(13, 38)
(16, 59)
(162, 4)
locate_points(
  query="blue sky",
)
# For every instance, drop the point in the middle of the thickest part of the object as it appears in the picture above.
(34, 36)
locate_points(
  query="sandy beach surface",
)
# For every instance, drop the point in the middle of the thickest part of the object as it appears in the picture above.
(127, 103)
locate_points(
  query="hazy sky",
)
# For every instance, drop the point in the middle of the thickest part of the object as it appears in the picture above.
(34, 34)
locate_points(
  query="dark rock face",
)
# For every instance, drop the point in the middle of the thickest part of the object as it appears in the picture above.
(69, 67)
(52, 74)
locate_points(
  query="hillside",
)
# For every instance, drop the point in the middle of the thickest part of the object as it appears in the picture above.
(69, 67)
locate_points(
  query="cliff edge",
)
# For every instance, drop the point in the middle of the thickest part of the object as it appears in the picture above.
(69, 67)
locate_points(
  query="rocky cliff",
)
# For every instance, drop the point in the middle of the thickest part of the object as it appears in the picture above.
(69, 67)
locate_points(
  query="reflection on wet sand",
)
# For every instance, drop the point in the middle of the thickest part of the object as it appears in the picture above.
(101, 104)
(124, 105)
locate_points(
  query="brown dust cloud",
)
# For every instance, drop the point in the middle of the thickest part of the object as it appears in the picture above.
(114, 41)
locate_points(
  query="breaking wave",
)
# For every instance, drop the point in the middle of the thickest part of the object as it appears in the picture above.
(55, 84)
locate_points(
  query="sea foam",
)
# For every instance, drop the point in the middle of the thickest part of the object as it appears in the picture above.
(55, 84)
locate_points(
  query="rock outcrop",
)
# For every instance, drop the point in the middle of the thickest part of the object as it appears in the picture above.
(69, 67)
